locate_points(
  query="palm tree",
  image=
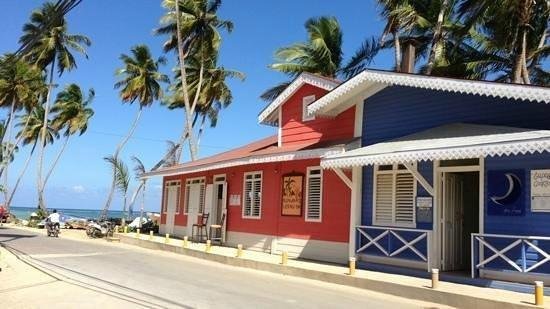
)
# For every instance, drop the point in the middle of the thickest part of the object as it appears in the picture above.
(122, 180)
(72, 115)
(193, 26)
(140, 80)
(320, 54)
(47, 43)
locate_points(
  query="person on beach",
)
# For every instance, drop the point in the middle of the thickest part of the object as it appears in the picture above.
(53, 218)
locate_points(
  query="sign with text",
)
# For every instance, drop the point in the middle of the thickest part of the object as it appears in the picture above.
(540, 190)
(235, 200)
(424, 212)
(292, 195)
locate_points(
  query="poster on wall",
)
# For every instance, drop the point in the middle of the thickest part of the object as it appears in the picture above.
(424, 209)
(540, 190)
(292, 195)
(235, 200)
(506, 193)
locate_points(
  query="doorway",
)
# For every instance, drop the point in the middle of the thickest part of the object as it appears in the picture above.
(195, 194)
(459, 217)
(172, 192)
(219, 204)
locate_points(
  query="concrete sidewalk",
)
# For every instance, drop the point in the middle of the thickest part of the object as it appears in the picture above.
(450, 294)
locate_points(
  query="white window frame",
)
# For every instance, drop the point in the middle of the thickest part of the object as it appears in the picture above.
(394, 171)
(244, 194)
(320, 176)
(306, 101)
(167, 184)
(188, 183)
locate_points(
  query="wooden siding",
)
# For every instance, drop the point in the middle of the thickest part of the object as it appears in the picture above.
(296, 131)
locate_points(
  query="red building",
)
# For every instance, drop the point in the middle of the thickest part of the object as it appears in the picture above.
(273, 191)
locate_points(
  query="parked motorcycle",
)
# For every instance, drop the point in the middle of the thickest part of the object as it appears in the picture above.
(52, 228)
(99, 229)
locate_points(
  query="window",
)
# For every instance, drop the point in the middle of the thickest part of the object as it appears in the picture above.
(252, 206)
(314, 194)
(188, 186)
(394, 196)
(305, 103)
(167, 187)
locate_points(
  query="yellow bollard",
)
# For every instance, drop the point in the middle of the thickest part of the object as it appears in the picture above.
(116, 229)
(150, 235)
(539, 293)
(137, 233)
(435, 278)
(208, 246)
(125, 230)
(167, 239)
(185, 241)
(351, 266)
(239, 250)
(284, 258)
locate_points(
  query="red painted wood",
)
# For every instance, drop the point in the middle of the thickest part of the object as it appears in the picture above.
(296, 131)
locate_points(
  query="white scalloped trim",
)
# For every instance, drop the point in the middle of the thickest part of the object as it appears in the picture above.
(470, 152)
(304, 78)
(490, 89)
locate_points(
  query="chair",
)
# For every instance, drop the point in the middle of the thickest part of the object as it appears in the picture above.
(219, 229)
(200, 227)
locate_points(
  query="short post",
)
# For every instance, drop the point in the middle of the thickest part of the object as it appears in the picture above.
(185, 241)
(539, 293)
(116, 229)
(150, 235)
(125, 229)
(284, 258)
(137, 233)
(208, 246)
(167, 239)
(239, 250)
(435, 278)
(352, 266)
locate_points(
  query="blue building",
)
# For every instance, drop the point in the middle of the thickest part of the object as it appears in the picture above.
(452, 174)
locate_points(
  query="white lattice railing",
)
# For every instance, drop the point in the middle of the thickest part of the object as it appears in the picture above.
(372, 236)
(481, 244)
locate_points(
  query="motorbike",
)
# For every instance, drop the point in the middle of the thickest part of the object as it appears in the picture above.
(99, 229)
(52, 229)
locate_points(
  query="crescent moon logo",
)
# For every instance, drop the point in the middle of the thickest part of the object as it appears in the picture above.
(513, 193)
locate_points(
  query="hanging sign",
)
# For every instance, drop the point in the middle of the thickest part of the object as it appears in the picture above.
(506, 193)
(424, 205)
(540, 190)
(292, 195)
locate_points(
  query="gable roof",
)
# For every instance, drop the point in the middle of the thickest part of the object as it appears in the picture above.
(369, 82)
(269, 114)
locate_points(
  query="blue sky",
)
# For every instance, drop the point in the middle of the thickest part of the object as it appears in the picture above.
(82, 177)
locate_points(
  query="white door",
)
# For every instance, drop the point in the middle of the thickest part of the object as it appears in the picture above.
(224, 209)
(194, 204)
(171, 204)
(452, 222)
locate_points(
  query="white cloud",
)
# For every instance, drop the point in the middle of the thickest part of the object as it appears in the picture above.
(158, 187)
(79, 189)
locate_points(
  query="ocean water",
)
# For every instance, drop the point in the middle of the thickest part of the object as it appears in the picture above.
(25, 212)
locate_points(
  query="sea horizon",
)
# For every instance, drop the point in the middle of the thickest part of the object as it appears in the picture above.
(23, 212)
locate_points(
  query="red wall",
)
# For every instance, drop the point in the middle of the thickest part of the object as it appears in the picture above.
(335, 211)
(320, 129)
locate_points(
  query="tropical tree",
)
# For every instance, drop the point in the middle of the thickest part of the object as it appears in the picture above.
(320, 54)
(122, 180)
(47, 44)
(193, 28)
(140, 80)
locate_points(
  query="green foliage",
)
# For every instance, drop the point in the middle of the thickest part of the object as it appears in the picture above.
(21, 84)
(32, 123)
(120, 170)
(72, 111)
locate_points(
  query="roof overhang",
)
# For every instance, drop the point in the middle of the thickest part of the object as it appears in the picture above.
(369, 82)
(454, 141)
(270, 114)
(254, 159)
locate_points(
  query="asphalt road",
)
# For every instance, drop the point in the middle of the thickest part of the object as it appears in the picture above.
(155, 279)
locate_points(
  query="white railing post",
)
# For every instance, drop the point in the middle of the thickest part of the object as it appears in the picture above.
(472, 254)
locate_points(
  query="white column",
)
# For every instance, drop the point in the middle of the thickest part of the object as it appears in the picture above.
(355, 207)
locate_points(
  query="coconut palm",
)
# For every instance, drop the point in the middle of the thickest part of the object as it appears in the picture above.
(47, 43)
(320, 54)
(140, 80)
(193, 26)
(122, 180)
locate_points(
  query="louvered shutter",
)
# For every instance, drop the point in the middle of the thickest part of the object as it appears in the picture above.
(384, 198)
(187, 192)
(256, 206)
(202, 197)
(404, 198)
(314, 195)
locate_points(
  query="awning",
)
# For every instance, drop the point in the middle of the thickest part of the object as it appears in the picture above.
(448, 142)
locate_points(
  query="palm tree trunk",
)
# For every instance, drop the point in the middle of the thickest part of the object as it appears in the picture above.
(142, 203)
(103, 213)
(134, 196)
(7, 152)
(201, 129)
(188, 108)
(12, 149)
(397, 50)
(517, 76)
(437, 36)
(184, 136)
(12, 193)
(42, 144)
(63, 147)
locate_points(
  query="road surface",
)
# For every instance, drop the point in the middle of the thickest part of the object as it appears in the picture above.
(153, 279)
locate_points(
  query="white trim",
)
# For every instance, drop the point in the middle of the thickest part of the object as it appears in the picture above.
(368, 79)
(343, 177)
(280, 129)
(355, 208)
(358, 124)
(266, 116)
(188, 183)
(305, 103)
(251, 200)
(419, 178)
(169, 183)
(316, 168)
(257, 159)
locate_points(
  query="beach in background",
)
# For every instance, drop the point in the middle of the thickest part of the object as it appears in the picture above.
(25, 212)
